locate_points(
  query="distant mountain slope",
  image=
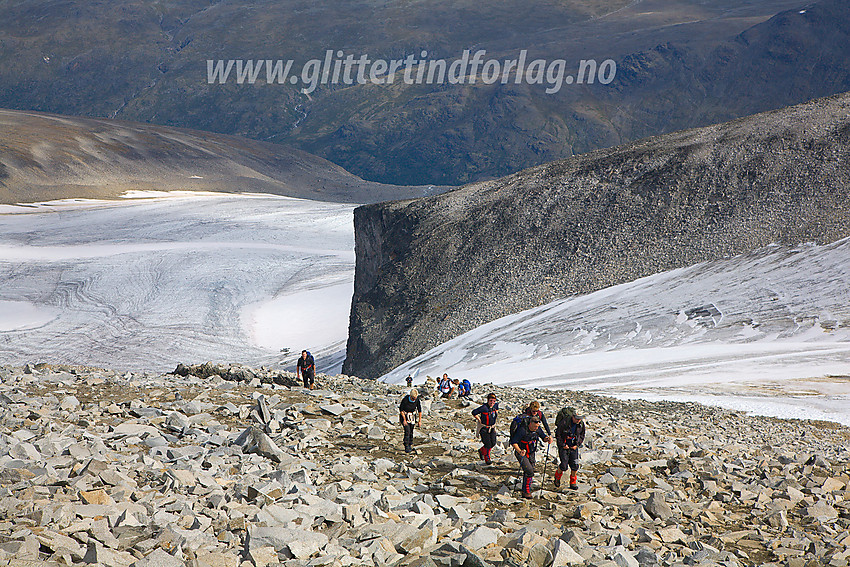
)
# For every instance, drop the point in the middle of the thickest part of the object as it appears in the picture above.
(681, 63)
(45, 156)
(430, 269)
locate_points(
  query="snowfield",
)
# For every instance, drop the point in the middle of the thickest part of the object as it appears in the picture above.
(767, 332)
(155, 279)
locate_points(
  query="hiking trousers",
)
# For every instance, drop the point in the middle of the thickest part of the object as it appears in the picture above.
(408, 434)
(307, 377)
(526, 463)
(569, 458)
(488, 438)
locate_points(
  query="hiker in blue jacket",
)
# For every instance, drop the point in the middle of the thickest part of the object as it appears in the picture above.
(486, 416)
(524, 442)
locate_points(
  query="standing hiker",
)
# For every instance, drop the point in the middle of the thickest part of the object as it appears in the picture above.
(533, 410)
(306, 368)
(486, 416)
(409, 380)
(410, 415)
(524, 441)
(569, 432)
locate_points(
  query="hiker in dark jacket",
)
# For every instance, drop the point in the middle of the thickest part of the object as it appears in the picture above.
(533, 409)
(410, 415)
(486, 416)
(306, 369)
(524, 441)
(569, 434)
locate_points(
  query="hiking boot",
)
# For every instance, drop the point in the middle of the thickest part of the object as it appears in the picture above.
(558, 474)
(481, 454)
(488, 462)
(573, 482)
(526, 495)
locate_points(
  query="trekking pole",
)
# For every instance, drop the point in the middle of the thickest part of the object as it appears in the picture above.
(543, 479)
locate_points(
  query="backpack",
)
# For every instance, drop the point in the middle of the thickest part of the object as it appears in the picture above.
(467, 386)
(562, 415)
(521, 419)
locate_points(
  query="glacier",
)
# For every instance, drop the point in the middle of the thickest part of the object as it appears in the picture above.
(767, 332)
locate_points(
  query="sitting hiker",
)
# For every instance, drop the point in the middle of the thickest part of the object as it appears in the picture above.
(524, 442)
(569, 433)
(410, 415)
(446, 387)
(486, 416)
(464, 389)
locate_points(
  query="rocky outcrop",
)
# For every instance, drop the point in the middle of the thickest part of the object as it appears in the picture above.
(119, 470)
(431, 269)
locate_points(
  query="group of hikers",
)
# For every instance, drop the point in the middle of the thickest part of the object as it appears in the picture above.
(525, 429)
(447, 387)
(525, 433)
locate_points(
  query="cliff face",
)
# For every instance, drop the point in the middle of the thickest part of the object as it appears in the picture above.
(430, 269)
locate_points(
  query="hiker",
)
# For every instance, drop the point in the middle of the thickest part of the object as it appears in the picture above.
(410, 415)
(446, 387)
(524, 441)
(486, 416)
(569, 432)
(464, 389)
(409, 380)
(306, 368)
(532, 410)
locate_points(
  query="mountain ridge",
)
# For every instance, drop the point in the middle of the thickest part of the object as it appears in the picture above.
(430, 269)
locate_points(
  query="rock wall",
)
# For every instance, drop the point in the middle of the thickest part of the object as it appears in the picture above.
(431, 269)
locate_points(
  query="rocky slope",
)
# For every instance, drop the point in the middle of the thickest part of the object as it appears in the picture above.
(44, 157)
(226, 466)
(431, 269)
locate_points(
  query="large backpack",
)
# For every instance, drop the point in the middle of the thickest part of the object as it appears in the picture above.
(521, 419)
(562, 415)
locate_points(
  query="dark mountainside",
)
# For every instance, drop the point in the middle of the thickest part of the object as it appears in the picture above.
(681, 63)
(430, 269)
(45, 157)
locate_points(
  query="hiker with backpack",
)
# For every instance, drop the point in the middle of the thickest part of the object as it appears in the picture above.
(486, 416)
(464, 389)
(410, 415)
(524, 442)
(533, 410)
(569, 433)
(446, 387)
(306, 368)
